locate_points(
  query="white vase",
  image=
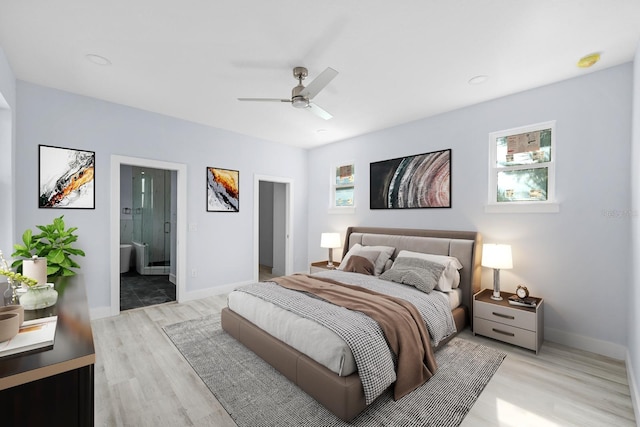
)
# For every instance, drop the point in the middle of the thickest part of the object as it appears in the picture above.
(39, 296)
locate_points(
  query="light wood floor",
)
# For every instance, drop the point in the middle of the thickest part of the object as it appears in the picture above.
(265, 273)
(142, 380)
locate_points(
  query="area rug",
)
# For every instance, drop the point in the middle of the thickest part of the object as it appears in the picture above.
(255, 394)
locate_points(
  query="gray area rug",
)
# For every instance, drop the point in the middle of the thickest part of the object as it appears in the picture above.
(255, 394)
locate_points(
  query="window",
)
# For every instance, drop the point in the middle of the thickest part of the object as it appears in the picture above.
(522, 169)
(343, 187)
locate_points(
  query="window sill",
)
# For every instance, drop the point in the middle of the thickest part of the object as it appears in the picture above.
(342, 210)
(522, 207)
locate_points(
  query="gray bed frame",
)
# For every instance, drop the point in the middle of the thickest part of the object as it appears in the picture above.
(344, 396)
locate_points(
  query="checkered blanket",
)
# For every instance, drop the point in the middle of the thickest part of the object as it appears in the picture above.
(374, 359)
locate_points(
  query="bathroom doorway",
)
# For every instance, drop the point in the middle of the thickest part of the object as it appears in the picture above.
(147, 236)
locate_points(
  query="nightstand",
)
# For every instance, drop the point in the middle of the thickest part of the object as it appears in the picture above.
(319, 266)
(521, 326)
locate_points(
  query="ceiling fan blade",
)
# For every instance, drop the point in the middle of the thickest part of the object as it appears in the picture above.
(265, 99)
(319, 83)
(318, 111)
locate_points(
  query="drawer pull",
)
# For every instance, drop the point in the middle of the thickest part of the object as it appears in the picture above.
(498, 331)
(503, 315)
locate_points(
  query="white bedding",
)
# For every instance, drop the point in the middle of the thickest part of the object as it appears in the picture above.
(305, 335)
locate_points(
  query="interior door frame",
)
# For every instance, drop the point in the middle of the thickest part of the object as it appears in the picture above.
(288, 245)
(181, 223)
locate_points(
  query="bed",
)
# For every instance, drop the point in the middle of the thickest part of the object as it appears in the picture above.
(337, 384)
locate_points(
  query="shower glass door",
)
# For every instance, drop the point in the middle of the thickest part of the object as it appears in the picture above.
(151, 217)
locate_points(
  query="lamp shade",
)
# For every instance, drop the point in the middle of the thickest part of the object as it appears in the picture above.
(330, 240)
(496, 256)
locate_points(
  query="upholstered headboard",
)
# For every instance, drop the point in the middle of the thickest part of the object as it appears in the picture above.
(464, 245)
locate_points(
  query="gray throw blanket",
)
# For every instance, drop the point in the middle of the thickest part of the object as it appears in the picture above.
(373, 357)
(400, 321)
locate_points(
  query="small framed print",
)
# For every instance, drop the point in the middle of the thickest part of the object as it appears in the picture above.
(66, 178)
(223, 190)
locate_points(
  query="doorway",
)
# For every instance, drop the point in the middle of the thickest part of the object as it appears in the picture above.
(176, 227)
(147, 236)
(272, 224)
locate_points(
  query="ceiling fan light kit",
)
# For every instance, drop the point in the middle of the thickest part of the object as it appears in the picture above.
(301, 96)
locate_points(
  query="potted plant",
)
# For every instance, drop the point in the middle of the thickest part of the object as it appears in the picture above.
(54, 243)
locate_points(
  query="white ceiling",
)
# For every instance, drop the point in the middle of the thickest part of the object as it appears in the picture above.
(397, 61)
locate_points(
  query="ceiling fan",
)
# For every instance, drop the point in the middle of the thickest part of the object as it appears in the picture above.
(301, 96)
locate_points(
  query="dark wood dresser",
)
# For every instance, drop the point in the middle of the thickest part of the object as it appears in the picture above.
(53, 387)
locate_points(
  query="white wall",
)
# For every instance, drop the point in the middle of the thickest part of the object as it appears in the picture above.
(576, 259)
(7, 149)
(218, 249)
(633, 298)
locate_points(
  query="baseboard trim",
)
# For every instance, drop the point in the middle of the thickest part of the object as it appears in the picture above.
(99, 312)
(216, 290)
(603, 348)
(633, 386)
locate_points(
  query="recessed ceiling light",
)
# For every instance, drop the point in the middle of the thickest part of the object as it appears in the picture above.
(320, 131)
(476, 80)
(588, 60)
(97, 59)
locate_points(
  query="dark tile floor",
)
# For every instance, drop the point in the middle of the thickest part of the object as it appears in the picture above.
(141, 291)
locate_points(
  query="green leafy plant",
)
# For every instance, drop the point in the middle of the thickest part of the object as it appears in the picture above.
(54, 243)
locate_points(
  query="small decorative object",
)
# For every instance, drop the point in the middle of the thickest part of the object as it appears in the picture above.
(36, 268)
(9, 326)
(418, 181)
(39, 296)
(14, 279)
(53, 243)
(33, 296)
(522, 292)
(523, 302)
(223, 190)
(330, 241)
(522, 298)
(66, 178)
(497, 257)
(14, 308)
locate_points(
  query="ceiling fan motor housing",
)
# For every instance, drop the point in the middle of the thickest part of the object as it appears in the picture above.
(297, 100)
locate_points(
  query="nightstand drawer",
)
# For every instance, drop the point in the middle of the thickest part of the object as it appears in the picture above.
(505, 315)
(505, 333)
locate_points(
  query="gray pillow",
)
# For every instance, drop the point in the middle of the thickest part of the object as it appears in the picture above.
(419, 273)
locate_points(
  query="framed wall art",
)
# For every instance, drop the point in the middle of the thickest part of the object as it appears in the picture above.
(66, 178)
(419, 181)
(223, 190)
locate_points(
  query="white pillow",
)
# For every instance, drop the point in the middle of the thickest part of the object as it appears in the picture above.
(385, 254)
(450, 278)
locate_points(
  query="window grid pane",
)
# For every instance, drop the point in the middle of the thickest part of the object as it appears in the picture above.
(529, 185)
(345, 175)
(523, 149)
(344, 196)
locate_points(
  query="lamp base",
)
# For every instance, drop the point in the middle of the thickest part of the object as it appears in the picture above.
(496, 285)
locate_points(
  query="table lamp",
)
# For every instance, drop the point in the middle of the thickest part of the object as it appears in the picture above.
(330, 241)
(497, 257)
